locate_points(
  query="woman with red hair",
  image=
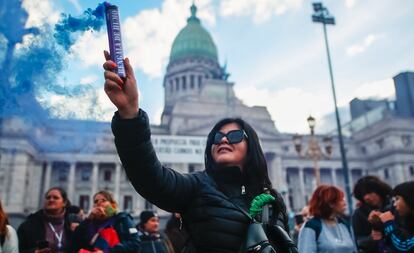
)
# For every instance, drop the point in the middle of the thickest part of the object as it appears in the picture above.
(8, 237)
(327, 231)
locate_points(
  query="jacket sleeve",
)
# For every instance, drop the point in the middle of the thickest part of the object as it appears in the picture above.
(362, 228)
(398, 241)
(307, 240)
(11, 244)
(24, 239)
(128, 234)
(162, 186)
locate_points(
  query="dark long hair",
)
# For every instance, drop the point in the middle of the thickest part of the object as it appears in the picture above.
(405, 191)
(369, 184)
(255, 168)
(254, 171)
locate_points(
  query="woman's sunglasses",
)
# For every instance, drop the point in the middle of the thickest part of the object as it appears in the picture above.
(233, 136)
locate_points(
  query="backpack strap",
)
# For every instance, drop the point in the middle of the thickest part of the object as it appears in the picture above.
(315, 224)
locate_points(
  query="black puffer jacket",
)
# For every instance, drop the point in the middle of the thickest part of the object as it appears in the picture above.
(212, 221)
(33, 230)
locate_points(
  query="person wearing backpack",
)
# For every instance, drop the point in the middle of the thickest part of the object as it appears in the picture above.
(8, 236)
(327, 231)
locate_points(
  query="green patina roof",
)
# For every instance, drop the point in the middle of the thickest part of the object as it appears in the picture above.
(193, 40)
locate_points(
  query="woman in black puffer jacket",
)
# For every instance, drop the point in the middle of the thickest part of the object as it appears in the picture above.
(236, 172)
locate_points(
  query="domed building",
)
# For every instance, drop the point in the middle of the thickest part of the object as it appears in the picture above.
(80, 156)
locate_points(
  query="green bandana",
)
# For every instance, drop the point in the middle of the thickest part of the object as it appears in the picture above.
(258, 202)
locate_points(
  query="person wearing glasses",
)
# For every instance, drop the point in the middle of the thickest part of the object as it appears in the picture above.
(235, 172)
(106, 229)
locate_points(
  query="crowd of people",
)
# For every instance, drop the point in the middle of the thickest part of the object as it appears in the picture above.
(230, 207)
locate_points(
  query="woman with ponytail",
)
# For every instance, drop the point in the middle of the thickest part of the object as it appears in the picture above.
(106, 229)
(8, 236)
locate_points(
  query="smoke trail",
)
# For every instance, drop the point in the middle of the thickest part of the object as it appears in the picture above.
(33, 68)
(90, 20)
(30, 67)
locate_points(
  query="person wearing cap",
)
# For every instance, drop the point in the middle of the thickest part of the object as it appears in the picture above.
(399, 235)
(151, 239)
(372, 194)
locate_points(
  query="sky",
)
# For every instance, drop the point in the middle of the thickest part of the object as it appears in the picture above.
(275, 54)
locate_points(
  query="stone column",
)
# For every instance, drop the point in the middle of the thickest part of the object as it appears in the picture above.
(334, 179)
(302, 188)
(48, 176)
(117, 181)
(399, 175)
(71, 181)
(95, 174)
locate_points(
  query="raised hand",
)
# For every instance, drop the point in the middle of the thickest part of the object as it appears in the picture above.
(123, 93)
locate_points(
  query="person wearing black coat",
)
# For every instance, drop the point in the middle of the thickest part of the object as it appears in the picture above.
(47, 230)
(374, 195)
(236, 172)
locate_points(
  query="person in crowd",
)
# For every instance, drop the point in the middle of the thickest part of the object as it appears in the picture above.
(372, 194)
(106, 229)
(8, 237)
(327, 231)
(151, 239)
(209, 201)
(399, 236)
(47, 230)
(176, 233)
(75, 216)
(300, 219)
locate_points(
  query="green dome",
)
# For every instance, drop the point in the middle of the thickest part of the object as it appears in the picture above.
(193, 40)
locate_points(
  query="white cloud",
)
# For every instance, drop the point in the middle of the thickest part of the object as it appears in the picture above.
(362, 46)
(149, 35)
(260, 10)
(89, 48)
(350, 3)
(40, 12)
(89, 79)
(289, 114)
(76, 4)
(378, 89)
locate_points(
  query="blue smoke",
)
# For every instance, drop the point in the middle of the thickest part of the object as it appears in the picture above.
(90, 20)
(33, 68)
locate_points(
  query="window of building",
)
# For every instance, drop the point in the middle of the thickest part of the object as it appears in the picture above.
(363, 150)
(285, 148)
(148, 205)
(380, 143)
(128, 203)
(171, 86)
(191, 168)
(107, 175)
(177, 83)
(63, 174)
(287, 177)
(184, 82)
(191, 82)
(386, 174)
(86, 174)
(411, 170)
(406, 140)
(200, 80)
(84, 202)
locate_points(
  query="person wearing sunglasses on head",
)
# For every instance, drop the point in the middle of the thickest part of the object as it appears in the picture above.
(235, 172)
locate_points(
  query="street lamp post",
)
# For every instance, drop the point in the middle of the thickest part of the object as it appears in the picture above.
(313, 150)
(322, 15)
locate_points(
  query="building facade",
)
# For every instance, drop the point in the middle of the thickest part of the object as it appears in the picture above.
(80, 156)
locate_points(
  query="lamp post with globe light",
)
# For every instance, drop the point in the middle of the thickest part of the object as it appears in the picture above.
(313, 149)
